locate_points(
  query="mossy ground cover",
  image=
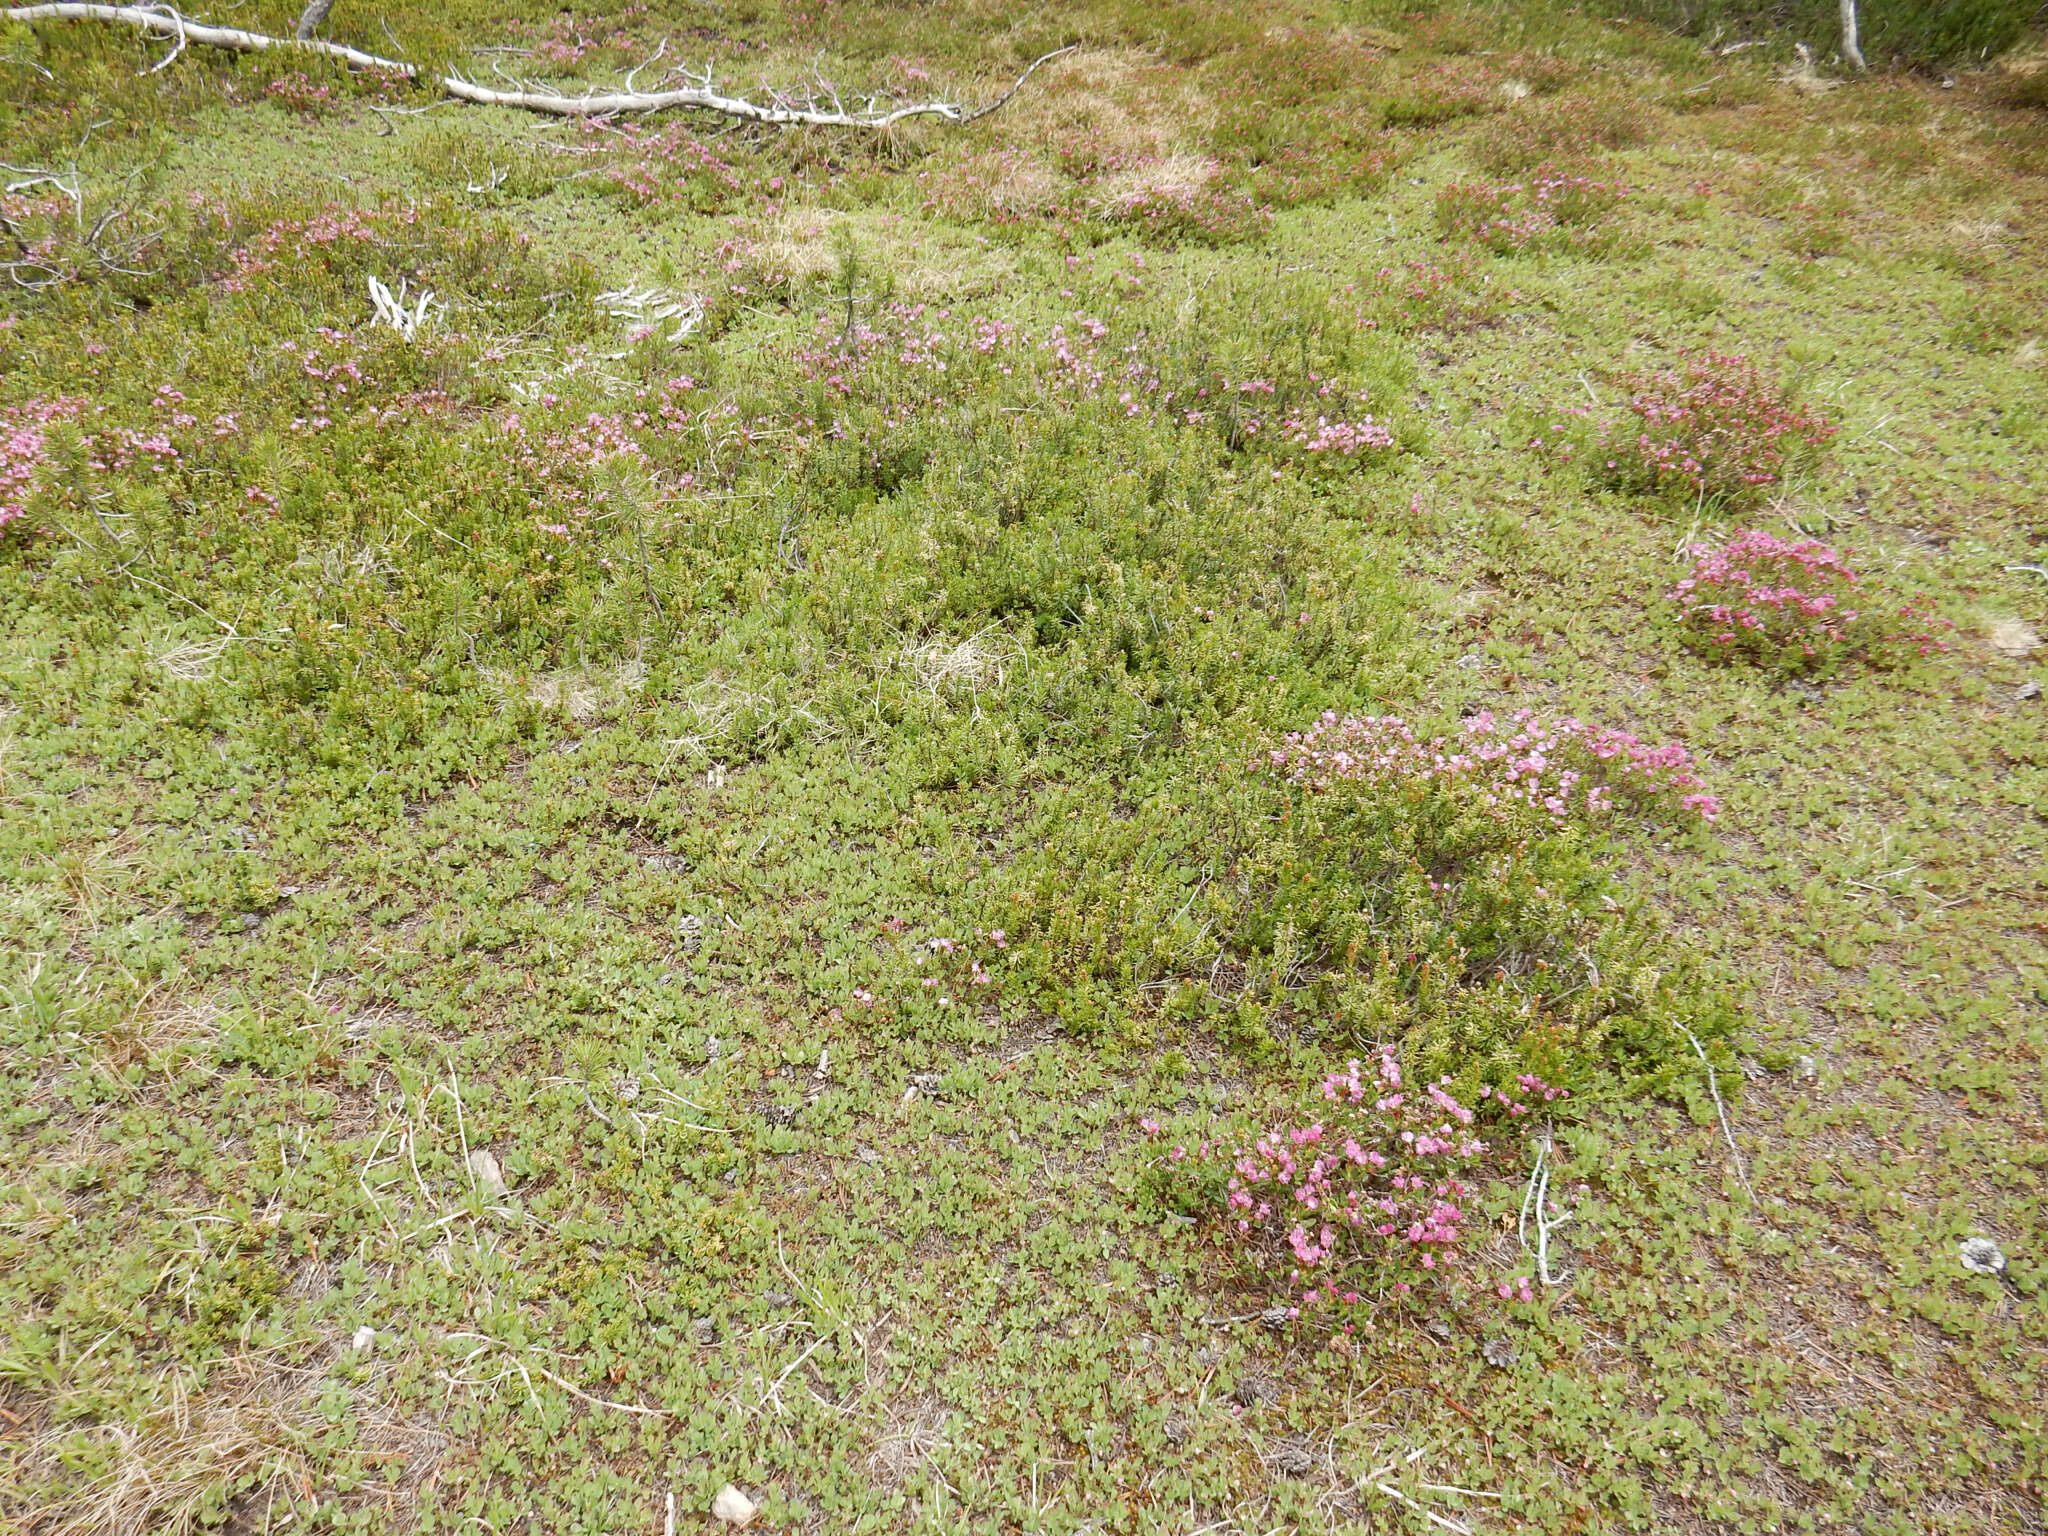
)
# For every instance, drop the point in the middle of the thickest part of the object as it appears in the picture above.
(796, 791)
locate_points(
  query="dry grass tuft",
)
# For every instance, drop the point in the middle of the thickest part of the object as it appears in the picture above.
(580, 693)
(153, 1036)
(190, 661)
(1173, 179)
(980, 662)
(917, 1433)
(175, 1469)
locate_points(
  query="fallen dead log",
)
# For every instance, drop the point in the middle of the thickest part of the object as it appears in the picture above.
(697, 93)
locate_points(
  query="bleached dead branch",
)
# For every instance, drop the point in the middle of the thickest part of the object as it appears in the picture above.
(391, 308)
(819, 108)
(655, 306)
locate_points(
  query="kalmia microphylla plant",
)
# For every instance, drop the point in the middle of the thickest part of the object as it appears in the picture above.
(1193, 215)
(1424, 295)
(1559, 768)
(941, 972)
(1365, 1197)
(301, 95)
(25, 449)
(1713, 426)
(1794, 603)
(1551, 210)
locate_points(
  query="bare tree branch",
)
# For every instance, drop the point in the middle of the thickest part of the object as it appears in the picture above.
(1852, 49)
(162, 21)
(1004, 100)
(698, 94)
(313, 18)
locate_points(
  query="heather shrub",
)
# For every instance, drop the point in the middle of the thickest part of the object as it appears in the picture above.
(1560, 130)
(1910, 33)
(1796, 605)
(1193, 215)
(1712, 427)
(1550, 211)
(1290, 124)
(302, 96)
(1360, 1196)
(1432, 296)
(1453, 894)
(27, 454)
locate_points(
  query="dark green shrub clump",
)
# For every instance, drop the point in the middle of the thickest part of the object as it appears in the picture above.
(1902, 33)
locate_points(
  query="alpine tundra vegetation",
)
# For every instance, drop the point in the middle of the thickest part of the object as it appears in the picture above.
(1127, 766)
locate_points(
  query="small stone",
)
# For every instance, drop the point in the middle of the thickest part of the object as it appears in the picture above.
(2030, 689)
(704, 1330)
(776, 1300)
(1500, 1353)
(734, 1508)
(1808, 1069)
(1981, 1256)
(489, 1176)
(251, 922)
(363, 1340)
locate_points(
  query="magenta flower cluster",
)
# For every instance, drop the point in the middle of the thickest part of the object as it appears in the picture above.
(1348, 438)
(1549, 209)
(300, 94)
(1714, 425)
(1558, 768)
(1790, 601)
(25, 449)
(1369, 1194)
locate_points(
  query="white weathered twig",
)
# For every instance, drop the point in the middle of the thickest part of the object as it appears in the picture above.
(513, 1360)
(391, 308)
(1536, 1199)
(1004, 100)
(649, 305)
(699, 94)
(1852, 49)
(1721, 1109)
(176, 48)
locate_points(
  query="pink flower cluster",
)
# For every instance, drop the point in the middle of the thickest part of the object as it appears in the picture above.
(1348, 438)
(1207, 215)
(300, 94)
(565, 38)
(665, 161)
(1713, 425)
(291, 242)
(1367, 1195)
(1788, 601)
(25, 449)
(1550, 209)
(943, 967)
(1556, 767)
